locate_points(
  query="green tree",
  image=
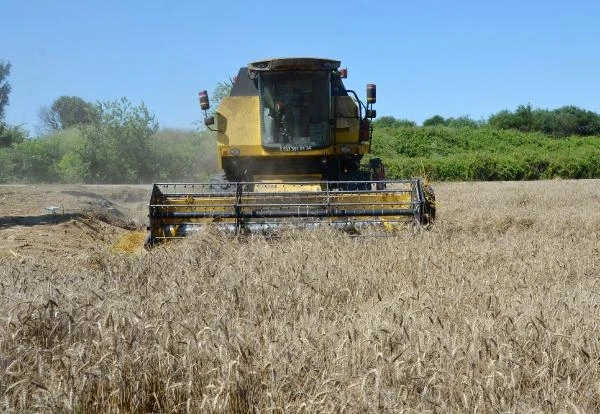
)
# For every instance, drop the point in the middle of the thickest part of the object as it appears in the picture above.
(571, 120)
(72, 168)
(11, 135)
(542, 121)
(461, 122)
(35, 160)
(391, 122)
(564, 123)
(434, 120)
(524, 118)
(561, 122)
(222, 90)
(117, 145)
(66, 112)
(502, 120)
(4, 86)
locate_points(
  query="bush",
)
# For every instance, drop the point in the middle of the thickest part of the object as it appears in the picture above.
(561, 122)
(486, 153)
(69, 156)
(11, 135)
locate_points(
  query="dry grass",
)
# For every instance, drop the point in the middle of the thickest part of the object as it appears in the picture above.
(493, 310)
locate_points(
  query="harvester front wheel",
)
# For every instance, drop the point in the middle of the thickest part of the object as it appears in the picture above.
(149, 241)
(428, 205)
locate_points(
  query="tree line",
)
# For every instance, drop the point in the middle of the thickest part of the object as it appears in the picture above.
(121, 142)
(103, 142)
(561, 122)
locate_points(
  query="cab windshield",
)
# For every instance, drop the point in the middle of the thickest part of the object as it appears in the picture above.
(295, 110)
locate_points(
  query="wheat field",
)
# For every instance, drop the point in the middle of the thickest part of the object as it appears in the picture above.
(493, 309)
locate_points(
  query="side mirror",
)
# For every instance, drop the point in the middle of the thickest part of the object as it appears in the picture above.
(371, 93)
(204, 103)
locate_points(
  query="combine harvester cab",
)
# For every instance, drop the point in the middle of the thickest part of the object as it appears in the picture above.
(290, 141)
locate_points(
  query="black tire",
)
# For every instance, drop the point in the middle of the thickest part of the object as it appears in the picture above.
(359, 181)
(428, 205)
(149, 241)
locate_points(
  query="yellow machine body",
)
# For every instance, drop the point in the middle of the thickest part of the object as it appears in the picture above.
(237, 124)
(290, 140)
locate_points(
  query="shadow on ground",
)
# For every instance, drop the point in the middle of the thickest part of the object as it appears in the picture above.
(43, 219)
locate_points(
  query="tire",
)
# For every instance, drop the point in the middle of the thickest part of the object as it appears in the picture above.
(428, 205)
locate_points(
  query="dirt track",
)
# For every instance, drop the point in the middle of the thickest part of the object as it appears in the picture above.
(68, 219)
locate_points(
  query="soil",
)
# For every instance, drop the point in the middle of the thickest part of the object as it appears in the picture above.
(69, 219)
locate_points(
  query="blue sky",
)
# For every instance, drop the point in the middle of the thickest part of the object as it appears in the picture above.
(430, 57)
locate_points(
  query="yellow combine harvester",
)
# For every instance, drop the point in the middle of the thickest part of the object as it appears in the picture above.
(290, 140)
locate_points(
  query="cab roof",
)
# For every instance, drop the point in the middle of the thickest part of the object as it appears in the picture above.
(294, 63)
